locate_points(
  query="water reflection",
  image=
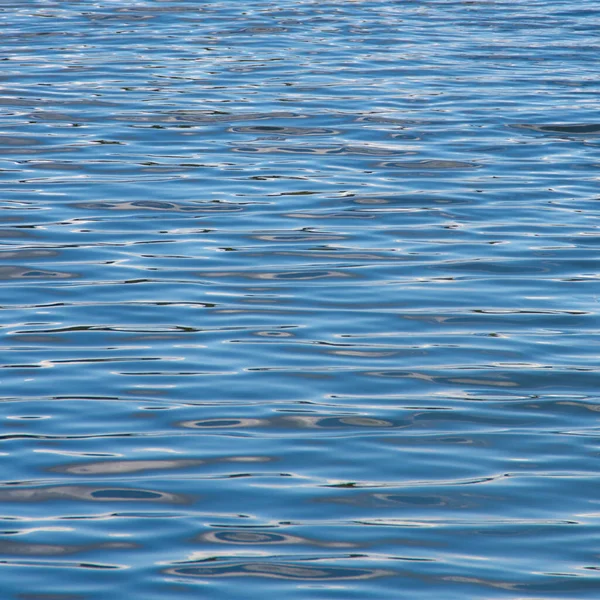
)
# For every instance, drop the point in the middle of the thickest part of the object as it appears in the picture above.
(283, 131)
(299, 292)
(567, 128)
(7, 273)
(291, 571)
(71, 492)
(248, 538)
(124, 466)
(11, 548)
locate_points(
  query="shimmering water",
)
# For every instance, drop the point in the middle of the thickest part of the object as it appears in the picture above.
(299, 299)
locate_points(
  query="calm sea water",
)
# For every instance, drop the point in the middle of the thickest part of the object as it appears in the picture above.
(299, 299)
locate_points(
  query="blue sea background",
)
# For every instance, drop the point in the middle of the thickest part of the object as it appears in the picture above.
(299, 299)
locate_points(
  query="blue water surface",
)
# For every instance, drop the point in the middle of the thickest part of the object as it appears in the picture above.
(299, 299)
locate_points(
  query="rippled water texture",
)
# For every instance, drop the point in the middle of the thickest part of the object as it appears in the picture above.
(299, 299)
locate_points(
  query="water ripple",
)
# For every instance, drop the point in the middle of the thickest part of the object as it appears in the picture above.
(300, 296)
